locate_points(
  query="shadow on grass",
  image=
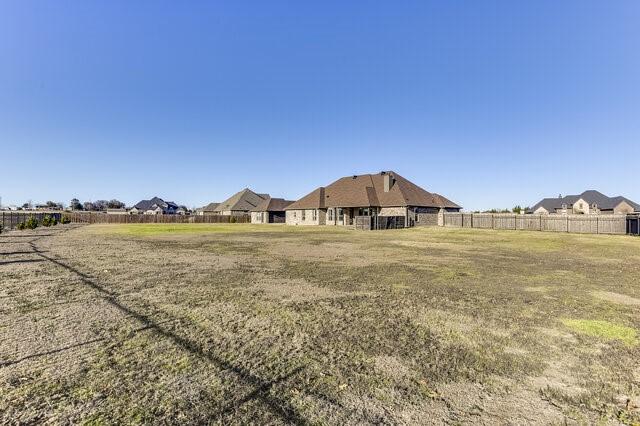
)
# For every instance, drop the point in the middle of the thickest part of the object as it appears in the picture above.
(9, 262)
(279, 406)
(11, 253)
(29, 236)
(63, 349)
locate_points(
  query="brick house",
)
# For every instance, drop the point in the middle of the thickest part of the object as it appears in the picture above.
(271, 210)
(589, 202)
(381, 194)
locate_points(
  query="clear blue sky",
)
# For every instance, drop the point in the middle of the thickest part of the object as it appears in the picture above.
(491, 103)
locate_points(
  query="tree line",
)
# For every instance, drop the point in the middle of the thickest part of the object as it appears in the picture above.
(75, 204)
(517, 209)
(96, 206)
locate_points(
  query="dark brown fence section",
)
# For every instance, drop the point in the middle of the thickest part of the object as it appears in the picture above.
(633, 224)
(91, 217)
(612, 224)
(367, 223)
(10, 220)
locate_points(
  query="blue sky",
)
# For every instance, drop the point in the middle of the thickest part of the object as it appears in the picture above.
(491, 103)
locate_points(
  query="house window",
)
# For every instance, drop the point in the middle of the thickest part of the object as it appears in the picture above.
(314, 214)
(340, 214)
(304, 214)
(295, 214)
(330, 214)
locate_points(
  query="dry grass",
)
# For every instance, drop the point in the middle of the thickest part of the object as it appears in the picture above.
(270, 324)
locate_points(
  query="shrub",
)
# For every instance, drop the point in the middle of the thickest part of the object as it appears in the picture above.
(31, 223)
(0, 228)
(49, 221)
(22, 226)
(65, 220)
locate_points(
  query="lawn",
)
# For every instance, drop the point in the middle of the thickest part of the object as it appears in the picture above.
(271, 324)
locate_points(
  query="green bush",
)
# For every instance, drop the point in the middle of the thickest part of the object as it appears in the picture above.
(232, 219)
(49, 221)
(21, 226)
(31, 223)
(65, 220)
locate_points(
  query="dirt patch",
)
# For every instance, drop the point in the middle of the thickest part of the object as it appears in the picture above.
(539, 289)
(621, 299)
(558, 376)
(296, 290)
(343, 253)
(510, 404)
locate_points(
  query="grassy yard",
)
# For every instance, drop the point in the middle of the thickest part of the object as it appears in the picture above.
(272, 324)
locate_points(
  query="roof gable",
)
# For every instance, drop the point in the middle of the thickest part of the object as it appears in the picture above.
(210, 207)
(245, 200)
(272, 205)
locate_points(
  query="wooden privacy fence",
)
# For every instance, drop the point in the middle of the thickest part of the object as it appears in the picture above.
(10, 220)
(426, 219)
(613, 224)
(94, 217)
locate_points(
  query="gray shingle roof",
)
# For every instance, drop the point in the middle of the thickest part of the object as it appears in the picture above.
(211, 207)
(245, 200)
(591, 196)
(155, 201)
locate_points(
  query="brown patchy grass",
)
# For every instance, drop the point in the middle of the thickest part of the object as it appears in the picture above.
(270, 324)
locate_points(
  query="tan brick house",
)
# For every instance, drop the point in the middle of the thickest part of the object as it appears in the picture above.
(270, 210)
(381, 194)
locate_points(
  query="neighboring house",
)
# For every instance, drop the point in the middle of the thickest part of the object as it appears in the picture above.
(270, 210)
(589, 202)
(208, 209)
(240, 203)
(381, 194)
(155, 205)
